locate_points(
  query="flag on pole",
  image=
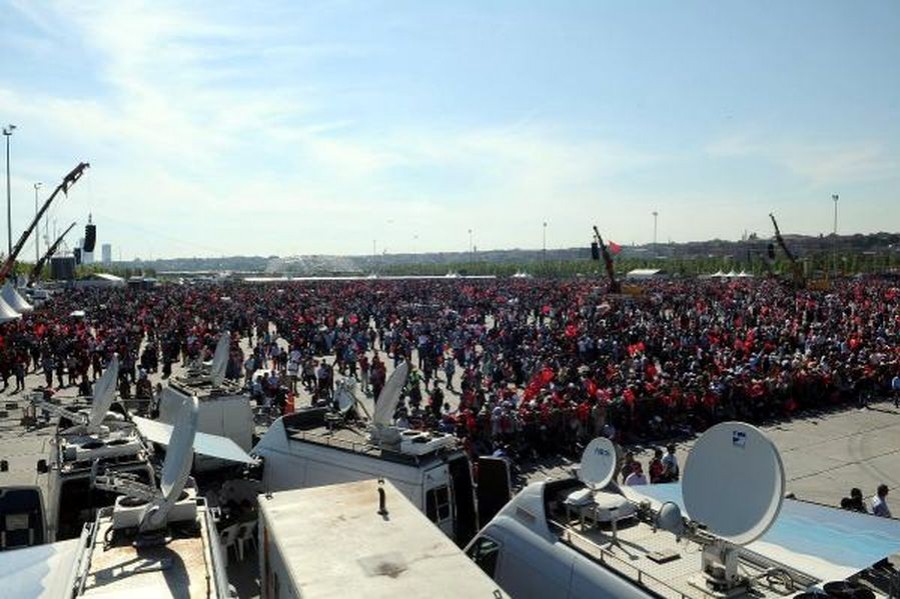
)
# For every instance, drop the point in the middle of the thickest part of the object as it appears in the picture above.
(614, 247)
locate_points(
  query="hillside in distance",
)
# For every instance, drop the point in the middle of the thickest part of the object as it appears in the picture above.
(328, 264)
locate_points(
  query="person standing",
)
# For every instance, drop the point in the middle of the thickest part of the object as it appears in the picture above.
(636, 477)
(879, 502)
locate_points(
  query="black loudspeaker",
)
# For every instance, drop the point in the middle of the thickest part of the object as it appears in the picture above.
(770, 251)
(595, 251)
(90, 237)
(77, 253)
(62, 268)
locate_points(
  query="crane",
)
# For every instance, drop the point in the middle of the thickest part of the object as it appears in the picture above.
(614, 286)
(799, 279)
(39, 265)
(6, 269)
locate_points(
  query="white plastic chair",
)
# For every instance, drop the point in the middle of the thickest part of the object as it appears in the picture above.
(246, 534)
(228, 537)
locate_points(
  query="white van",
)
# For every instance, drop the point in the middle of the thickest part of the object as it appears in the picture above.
(359, 539)
(224, 411)
(300, 451)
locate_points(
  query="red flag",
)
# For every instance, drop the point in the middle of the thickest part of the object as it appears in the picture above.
(614, 247)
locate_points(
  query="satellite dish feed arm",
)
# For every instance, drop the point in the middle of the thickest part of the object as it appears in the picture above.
(122, 484)
(52, 408)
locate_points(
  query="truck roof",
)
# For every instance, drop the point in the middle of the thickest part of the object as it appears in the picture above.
(334, 542)
(305, 426)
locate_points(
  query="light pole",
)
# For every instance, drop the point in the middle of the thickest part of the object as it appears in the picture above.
(655, 216)
(834, 198)
(8, 131)
(37, 243)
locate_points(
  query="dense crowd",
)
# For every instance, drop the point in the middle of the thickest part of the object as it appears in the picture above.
(524, 367)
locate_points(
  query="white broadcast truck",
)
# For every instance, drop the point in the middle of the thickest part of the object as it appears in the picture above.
(359, 539)
(317, 446)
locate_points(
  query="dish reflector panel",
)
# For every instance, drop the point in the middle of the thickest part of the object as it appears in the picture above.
(180, 451)
(345, 398)
(104, 394)
(598, 463)
(213, 446)
(734, 482)
(390, 395)
(220, 360)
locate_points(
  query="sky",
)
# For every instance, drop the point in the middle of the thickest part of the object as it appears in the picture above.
(283, 128)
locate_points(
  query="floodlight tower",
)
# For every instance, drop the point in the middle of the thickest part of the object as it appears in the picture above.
(7, 132)
(834, 198)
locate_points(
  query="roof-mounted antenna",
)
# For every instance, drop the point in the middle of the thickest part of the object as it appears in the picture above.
(176, 469)
(390, 395)
(734, 484)
(104, 394)
(220, 360)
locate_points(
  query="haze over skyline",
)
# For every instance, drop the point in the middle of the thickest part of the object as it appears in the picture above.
(225, 128)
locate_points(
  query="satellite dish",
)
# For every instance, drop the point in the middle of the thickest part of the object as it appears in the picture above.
(177, 466)
(220, 360)
(344, 396)
(734, 482)
(669, 518)
(390, 395)
(104, 394)
(598, 463)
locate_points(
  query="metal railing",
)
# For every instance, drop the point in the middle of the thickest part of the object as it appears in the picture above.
(633, 573)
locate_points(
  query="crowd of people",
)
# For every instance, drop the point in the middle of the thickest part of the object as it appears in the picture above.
(520, 367)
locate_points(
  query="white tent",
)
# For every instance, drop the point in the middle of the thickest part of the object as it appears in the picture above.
(6, 312)
(15, 301)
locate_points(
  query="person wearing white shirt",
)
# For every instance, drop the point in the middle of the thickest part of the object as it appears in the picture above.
(636, 477)
(879, 502)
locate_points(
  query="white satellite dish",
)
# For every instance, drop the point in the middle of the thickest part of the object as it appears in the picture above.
(734, 482)
(598, 463)
(177, 466)
(390, 395)
(344, 396)
(104, 394)
(220, 360)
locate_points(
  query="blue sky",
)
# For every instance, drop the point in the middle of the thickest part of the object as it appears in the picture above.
(318, 127)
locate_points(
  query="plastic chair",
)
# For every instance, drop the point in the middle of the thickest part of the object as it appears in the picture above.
(228, 537)
(246, 534)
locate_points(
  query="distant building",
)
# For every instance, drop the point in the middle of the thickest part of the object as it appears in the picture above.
(87, 257)
(106, 253)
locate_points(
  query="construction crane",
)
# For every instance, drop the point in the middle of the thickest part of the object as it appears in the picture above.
(68, 181)
(614, 286)
(39, 265)
(799, 279)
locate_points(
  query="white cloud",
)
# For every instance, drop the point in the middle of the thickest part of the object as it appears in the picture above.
(821, 163)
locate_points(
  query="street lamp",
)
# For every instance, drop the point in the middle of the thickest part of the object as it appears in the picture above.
(8, 131)
(37, 243)
(834, 198)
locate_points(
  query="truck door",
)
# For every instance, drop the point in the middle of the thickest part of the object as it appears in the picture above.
(465, 517)
(438, 505)
(494, 487)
